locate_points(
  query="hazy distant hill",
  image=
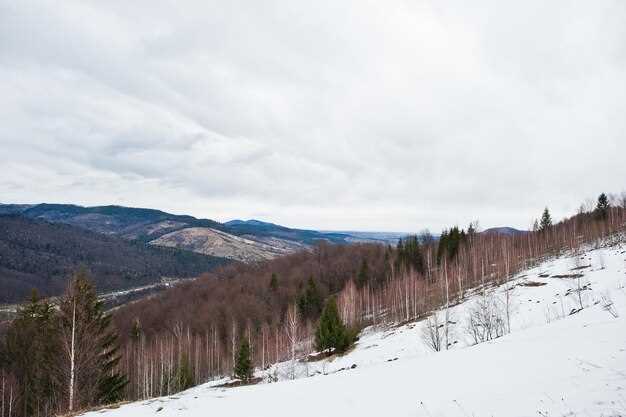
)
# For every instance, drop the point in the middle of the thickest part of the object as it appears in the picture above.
(510, 231)
(38, 254)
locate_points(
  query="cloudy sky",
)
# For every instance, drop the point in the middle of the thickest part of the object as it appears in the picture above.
(383, 115)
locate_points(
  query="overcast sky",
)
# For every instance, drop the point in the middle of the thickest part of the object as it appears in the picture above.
(382, 115)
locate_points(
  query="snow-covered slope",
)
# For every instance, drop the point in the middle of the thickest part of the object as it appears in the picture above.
(551, 364)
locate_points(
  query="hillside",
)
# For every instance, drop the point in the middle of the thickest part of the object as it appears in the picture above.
(556, 360)
(38, 254)
(214, 242)
(244, 240)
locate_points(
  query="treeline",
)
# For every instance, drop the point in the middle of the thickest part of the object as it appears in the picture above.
(245, 316)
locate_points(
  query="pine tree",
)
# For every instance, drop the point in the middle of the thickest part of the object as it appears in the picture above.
(602, 208)
(363, 276)
(243, 364)
(274, 282)
(331, 333)
(410, 253)
(90, 361)
(546, 221)
(450, 242)
(310, 301)
(31, 348)
(183, 375)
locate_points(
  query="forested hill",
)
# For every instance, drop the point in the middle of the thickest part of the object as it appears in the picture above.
(37, 254)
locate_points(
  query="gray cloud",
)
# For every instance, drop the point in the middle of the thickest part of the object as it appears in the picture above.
(353, 115)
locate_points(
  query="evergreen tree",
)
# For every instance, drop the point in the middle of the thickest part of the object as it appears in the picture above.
(274, 282)
(89, 364)
(450, 242)
(410, 253)
(183, 375)
(243, 364)
(31, 347)
(310, 301)
(363, 276)
(602, 208)
(331, 333)
(471, 231)
(546, 221)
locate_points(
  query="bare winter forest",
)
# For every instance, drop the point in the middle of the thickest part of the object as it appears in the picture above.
(194, 332)
(199, 324)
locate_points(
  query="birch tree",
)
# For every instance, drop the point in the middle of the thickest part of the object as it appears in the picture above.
(90, 360)
(292, 325)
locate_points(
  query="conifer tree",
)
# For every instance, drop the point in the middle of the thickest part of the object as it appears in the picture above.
(450, 242)
(546, 221)
(602, 208)
(88, 369)
(363, 276)
(310, 301)
(183, 375)
(30, 350)
(410, 254)
(331, 333)
(274, 282)
(243, 364)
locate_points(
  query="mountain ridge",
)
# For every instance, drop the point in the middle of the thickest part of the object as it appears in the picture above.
(35, 253)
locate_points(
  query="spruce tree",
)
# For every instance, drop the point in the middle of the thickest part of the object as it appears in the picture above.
(89, 365)
(602, 208)
(450, 242)
(31, 348)
(363, 276)
(183, 375)
(243, 364)
(546, 221)
(331, 333)
(310, 301)
(410, 253)
(274, 282)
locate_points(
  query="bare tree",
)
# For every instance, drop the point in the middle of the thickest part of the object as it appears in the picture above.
(486, 319)
(72, 356)
(432, 333)
(578, 289)
(509, 304)
(292, 326)
(607, 304)
(447, 318)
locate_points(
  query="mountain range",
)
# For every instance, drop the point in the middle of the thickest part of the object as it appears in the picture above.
(127, 247)
(124, 247)
(241, 240)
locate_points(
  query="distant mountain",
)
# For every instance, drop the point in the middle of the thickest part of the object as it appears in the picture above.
(35, 253)
(244, 240)
(13, 208)
(388, 238)
(509, 231)
(217, 243)
(256, 229)
(130, 223)
(251, 222)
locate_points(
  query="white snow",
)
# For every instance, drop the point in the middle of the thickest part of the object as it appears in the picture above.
(551, 364)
